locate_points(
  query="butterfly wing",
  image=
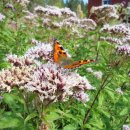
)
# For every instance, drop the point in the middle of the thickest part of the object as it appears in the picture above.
(59, 52)
(77, 64)
(61, 55)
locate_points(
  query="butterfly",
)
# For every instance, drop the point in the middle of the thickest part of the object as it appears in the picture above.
(60, 56)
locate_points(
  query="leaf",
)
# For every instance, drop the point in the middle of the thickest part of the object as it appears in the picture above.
(69, 127)
(101, 99)
(105, 113)
(124, 112)
(29, 117)
(67, 115)
(110, 93)
(10, 99)
(53, 116)
(9, 122)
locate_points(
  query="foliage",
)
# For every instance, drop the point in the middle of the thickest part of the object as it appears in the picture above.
(108, 107)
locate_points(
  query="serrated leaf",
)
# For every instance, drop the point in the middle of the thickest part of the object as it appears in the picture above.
(53, 116)
(124, 112)
(110, 93)
(105, 113)
(67, 115)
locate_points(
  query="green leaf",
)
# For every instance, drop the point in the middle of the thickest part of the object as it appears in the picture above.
(124, 112)
(10, 99)
(53, 116)
(101, 99)
(29, 117)
(105, 113)
(69, 127)
(68, 115)
(110, 93)
(9, 122)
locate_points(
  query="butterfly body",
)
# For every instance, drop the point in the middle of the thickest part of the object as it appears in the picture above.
(60, 56)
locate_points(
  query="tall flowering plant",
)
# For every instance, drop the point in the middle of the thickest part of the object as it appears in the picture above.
(37, 93)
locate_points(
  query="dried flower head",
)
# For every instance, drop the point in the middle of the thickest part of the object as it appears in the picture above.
(104, 14)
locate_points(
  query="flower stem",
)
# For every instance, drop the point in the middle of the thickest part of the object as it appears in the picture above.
(96, 97)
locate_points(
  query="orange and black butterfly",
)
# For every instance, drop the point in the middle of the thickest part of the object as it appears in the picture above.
(60, 56)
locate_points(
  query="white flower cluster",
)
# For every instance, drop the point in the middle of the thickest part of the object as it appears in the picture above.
(2, 17)
(103, 14)
(50, 81)
(97, 74)
(119, 91)
(15, 76)
(126, 127)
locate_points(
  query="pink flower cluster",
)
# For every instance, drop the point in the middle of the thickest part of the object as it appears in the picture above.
(53, 83)
(54, 17)
(54, 11)
(50, 81)
(118, 35)
(124, 49)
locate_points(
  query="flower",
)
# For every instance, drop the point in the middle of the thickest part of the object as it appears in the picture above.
(53, 83)
(48, 11)
(2, 17)
(81, 96)
(103, 14)
(41, 50)
(118, 34)
(50, 81)
(89, 70)
(59, 18)
(67, 12)
(124, 49)
(10, 6)
(119, 91)
(119, 29)
(98, 74)
(15, 76)
(126, 127)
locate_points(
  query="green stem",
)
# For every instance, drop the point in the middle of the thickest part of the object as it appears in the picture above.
(96, 97)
